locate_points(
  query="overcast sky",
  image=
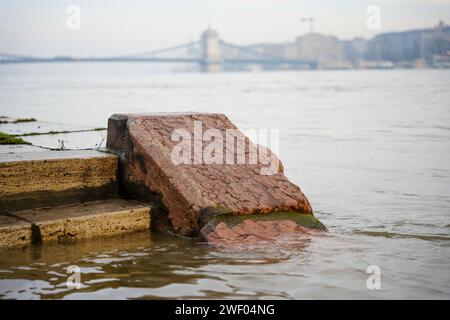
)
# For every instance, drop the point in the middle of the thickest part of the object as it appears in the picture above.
(127, 26)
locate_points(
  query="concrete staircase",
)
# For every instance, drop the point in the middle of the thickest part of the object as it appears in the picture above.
(48, 195)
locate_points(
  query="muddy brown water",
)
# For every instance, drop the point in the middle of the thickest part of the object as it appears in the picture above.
(370, 149)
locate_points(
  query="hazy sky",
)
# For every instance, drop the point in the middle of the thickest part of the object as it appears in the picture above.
(127, 26)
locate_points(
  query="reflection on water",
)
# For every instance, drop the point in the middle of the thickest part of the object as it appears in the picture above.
(137, 266)
(144, 266)
(370, 149)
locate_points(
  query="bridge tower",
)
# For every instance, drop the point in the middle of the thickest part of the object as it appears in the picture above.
(211, 56)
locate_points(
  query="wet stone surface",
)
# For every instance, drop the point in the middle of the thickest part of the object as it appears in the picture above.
(193, 193)
(33, 177)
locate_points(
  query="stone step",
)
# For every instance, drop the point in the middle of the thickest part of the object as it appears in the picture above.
(71, 222)
(33, 177)
(171, 159)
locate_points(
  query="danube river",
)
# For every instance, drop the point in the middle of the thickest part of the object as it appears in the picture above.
(370, 149)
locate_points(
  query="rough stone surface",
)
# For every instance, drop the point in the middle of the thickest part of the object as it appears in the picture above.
(31, 178)
(72, 222)
(193, 193)
(14, 232)
(254, 231)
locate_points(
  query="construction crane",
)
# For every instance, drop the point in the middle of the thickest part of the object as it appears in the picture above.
(311, 23)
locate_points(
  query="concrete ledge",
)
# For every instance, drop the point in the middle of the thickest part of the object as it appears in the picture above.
(72, 222)
(32, 177)
(193, 191)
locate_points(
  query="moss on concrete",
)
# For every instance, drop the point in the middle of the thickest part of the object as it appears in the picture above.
(11, 139)
(302, 219)
(58, 132)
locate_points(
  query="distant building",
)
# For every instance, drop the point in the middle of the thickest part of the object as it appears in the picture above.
(326, 50)
(400, 47)
(269, 49)
(407, 49)
(356, 50)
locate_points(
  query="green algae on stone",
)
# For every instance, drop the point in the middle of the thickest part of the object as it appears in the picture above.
(302, 219)
(10, 139)
(19, 120)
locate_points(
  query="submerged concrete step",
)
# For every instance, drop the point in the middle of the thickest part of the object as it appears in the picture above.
(75, 221)
(33, 177)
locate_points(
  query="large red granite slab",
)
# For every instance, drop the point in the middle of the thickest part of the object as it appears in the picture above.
(192, 193)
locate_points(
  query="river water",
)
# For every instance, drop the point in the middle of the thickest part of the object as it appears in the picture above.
(370, 149)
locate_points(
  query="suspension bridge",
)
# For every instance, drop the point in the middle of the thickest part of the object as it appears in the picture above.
(209, 52)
